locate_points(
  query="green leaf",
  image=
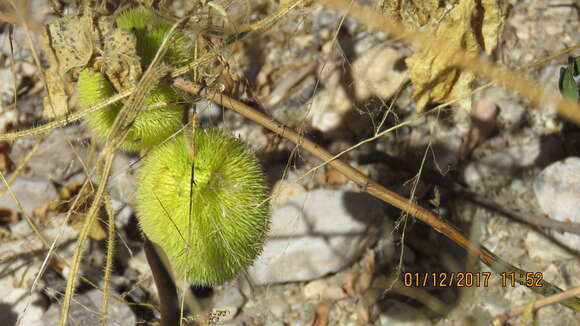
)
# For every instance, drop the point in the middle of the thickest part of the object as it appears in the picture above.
(567, 84)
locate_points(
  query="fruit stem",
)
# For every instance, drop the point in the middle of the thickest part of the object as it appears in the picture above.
(169, 305)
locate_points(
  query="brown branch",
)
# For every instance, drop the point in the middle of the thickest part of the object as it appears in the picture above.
(460, 191)
(570, 293)
(169, 306)
(371, 187)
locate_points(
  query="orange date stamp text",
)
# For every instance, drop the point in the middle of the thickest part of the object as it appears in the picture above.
(470, 279)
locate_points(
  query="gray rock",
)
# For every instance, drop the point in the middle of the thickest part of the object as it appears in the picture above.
(401, 314)
(85, 311)
(57, 157)
(123, 179)
(276, 323)
(21, 265)
(278, 307)
(539, 247)
(510, 113)
(316, 233)
(229, 300)
(498, 168)
(557, 189)
(31, 192)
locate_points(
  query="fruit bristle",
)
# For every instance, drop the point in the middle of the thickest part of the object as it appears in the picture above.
(222, 229)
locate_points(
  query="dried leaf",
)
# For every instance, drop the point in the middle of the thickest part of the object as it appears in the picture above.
(413, 14)
(122, 64)
(366, 278)
(470, 26)
(5, 161)
(9, 216)
(56, 102)
(494, 13)
(67, 196)
(76, 41)
(321, 315)
(69, 42)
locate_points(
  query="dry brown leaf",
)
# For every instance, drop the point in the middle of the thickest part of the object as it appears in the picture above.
(75, 41)
(495, 13)
(68, 44)
(366, 278)
(5, 161)
(349, 281)
(413, 14)
(122, 65)
(321, 315)
(9, 216)
(470, 26)
(67, 196)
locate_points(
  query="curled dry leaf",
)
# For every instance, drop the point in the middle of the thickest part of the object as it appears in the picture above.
(5, 161)
(321, 315)
(64, 202)
(368, 269)
(9, 216)
(76, 41)
(470, 26)
(360, 279)
(413, 14)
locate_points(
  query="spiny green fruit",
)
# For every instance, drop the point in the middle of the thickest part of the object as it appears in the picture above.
(213, 228)
(152, 126)
(150, 31)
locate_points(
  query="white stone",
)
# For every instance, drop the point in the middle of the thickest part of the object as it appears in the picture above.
(282, 191)
(123, 179)
(499, 167)
(557, 189)
(85, 310)
(316, 233)
(330, 105)
(57, 157)
(30, 192)
(375, 73)
(229, 300)
(20, 268)
(543, 249)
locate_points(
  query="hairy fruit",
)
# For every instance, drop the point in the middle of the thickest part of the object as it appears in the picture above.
(151, 127)
(162, 113)
(213, 226)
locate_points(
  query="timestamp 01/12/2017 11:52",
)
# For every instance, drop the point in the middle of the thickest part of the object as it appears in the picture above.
(470, 279)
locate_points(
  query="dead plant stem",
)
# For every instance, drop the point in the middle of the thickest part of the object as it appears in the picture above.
(570, 293)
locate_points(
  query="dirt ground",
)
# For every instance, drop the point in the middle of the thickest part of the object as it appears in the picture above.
(339, 83)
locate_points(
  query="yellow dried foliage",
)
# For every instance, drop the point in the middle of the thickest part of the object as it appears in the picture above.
(66, 197)
(467, 25)
(76, 41)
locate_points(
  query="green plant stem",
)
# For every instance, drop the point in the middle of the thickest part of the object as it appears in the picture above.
(373, 188)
